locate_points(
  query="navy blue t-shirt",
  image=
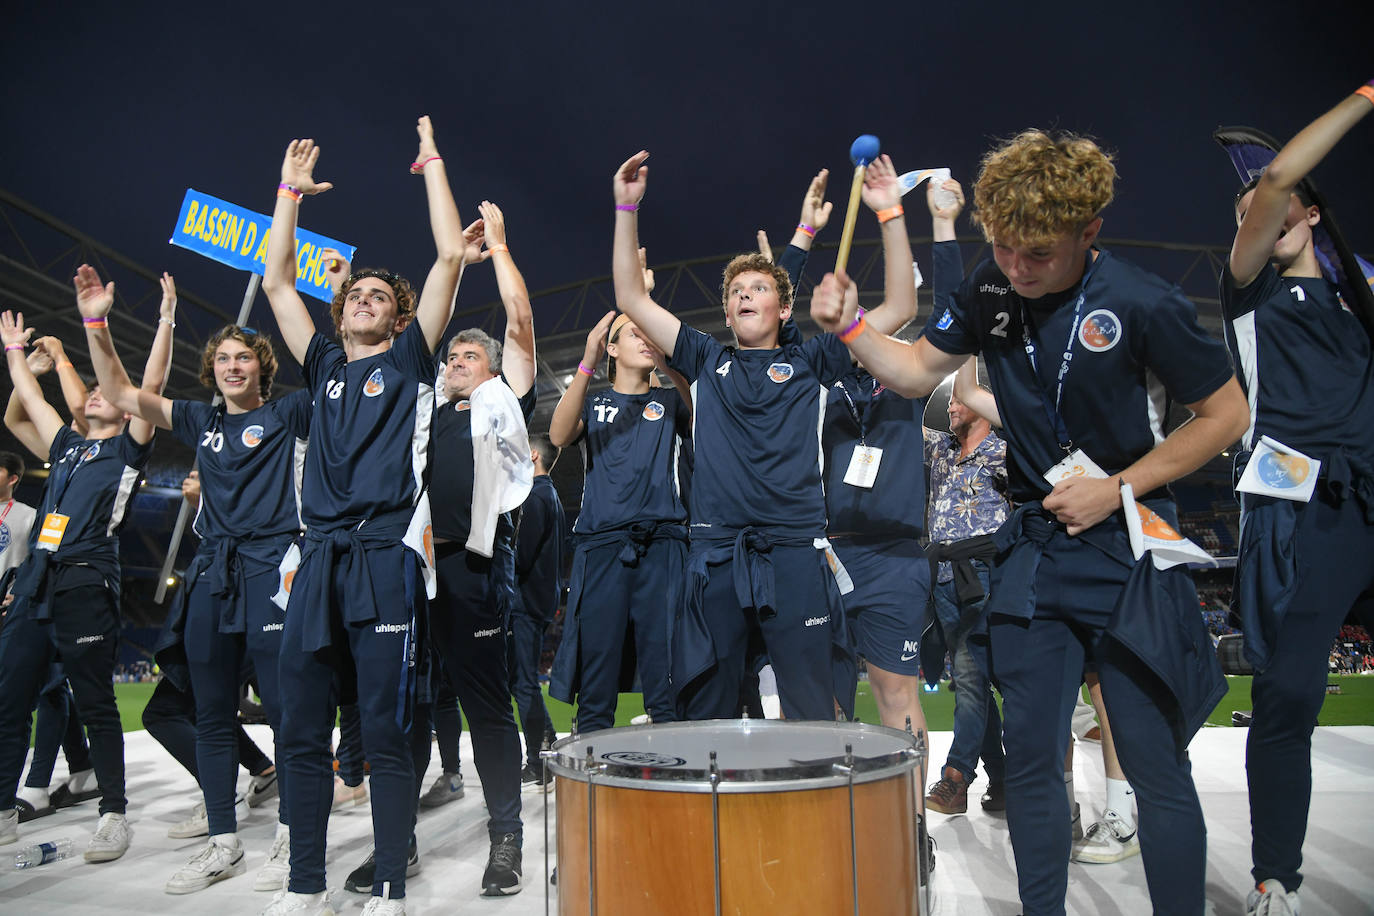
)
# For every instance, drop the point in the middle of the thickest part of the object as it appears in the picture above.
(91, 482)
(1135, 345)
(756, 428)
(633, 446)
(858, 409)
(1304, 362)
(250, 464)
(369, 436)
(450, 495)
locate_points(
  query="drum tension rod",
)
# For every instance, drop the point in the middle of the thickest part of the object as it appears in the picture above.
(715, 823)
(847, 768)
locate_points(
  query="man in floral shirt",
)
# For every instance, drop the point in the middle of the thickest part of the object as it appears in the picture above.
(968, 500)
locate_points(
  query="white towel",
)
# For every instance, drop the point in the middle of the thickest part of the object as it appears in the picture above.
(502, 470)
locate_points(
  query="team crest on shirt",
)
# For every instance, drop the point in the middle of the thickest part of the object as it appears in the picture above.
(1100, 331)
(780, 372)
(251, 436)
(89, 454)
(653, 411)
(945, 321)
(375, 383)
(462, 405)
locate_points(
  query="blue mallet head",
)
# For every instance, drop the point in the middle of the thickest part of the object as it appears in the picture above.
(864, 149)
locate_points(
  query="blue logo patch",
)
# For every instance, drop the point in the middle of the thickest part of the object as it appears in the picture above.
(90, 453)
(780, 372)
(1282, 472)
(653, 411)
(4, 536)
(375, 383)
(251, 436)
(1100, 331)
(945, 321)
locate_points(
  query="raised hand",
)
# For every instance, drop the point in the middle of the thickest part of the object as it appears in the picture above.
(12, 330)
(881, 190)
(168, 307)
(493, 224)
(473, 239)
(92, 299)
(644, 267)
(298, 167)
(631, 180)
(39, 359)
(951, 211)
(835, 302)
(596, 341)
(336, 267)
(815, 209)
(52, 347)
(765, 249)
(428, 150)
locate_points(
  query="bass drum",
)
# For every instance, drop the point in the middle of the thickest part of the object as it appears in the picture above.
(740, 817)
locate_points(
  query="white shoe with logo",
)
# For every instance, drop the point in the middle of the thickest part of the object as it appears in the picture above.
(287, 903)
(198, 824)
(217, 861)
(110, 840)
(1271, 898)
(272, 876)
(1111, 839)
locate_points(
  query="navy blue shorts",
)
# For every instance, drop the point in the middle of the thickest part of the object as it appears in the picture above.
(887, 607)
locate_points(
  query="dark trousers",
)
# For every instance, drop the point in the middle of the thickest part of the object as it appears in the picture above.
(1335, 557)
(616, 600)
(1038, 664)
(796, 638)
(524, 644)
(216, 661)
(349, 753)
(84, 635)
(448, 727)
(170, 717)
(58, 725)
(468, 623)
(375, 661)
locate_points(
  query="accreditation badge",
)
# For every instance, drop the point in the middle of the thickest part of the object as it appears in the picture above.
(51, 534)
(863, 466)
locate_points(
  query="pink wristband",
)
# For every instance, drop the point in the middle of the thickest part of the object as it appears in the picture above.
(808, 231)
(582, 367)
(417, 167)
(95, 322)
(9, 347)
(291, 191)
(853, 331)
(629, 207)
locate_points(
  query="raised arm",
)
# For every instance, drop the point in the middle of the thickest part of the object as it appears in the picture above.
(1218, 420)
(42, 423)
(73, 389)
(912, 370)
(658, 324)
(974, 396)
(883, 196)
(16, 418)
(146, 404)
(279, 277)
(1262, 222)
(517, 356)
(441, 286)
(566, 424)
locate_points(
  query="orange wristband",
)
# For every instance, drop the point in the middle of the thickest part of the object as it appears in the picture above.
(495, 248)
(890, 213)
(1366, 91)
(853, 331)
(65, 364)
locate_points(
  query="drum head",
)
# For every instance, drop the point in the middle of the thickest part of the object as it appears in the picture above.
(752, 755)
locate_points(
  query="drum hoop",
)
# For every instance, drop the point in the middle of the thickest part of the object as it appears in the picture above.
(796, 777)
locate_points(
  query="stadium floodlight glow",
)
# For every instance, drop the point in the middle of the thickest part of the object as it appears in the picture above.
(171, 581)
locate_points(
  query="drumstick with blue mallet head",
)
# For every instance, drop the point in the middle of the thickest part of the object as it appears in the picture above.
(862, 151)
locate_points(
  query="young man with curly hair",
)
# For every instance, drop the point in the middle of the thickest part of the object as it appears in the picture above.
(757, 581)
(1082, 350)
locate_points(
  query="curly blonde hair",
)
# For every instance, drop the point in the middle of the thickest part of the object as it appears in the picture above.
(400, 286)
(745, 263)
(1033, 189)
(261, 346)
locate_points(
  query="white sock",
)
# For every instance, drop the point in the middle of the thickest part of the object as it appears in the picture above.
(35, 796)
(81, 781)
(1121, 799)
(227, 840)
(282, 831)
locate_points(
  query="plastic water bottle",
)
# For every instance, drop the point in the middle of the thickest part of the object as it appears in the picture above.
(43, 853)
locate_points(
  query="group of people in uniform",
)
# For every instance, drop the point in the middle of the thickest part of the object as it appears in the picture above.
(359, 537)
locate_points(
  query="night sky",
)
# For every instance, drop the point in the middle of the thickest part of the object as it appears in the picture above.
(113, 111)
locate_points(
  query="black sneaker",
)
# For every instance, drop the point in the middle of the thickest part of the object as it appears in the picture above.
(995, 796)
(532, 777)
(361, 879)
(502, 877)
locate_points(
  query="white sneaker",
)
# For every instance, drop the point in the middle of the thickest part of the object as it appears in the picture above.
(1271, 898)
(213, 863)
(380, 906)
(286, 903)
(198, 824)
(346, 796)
(261, 789)
(272, 876)
(110, 840)
(9, 826)
(1111, 839)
